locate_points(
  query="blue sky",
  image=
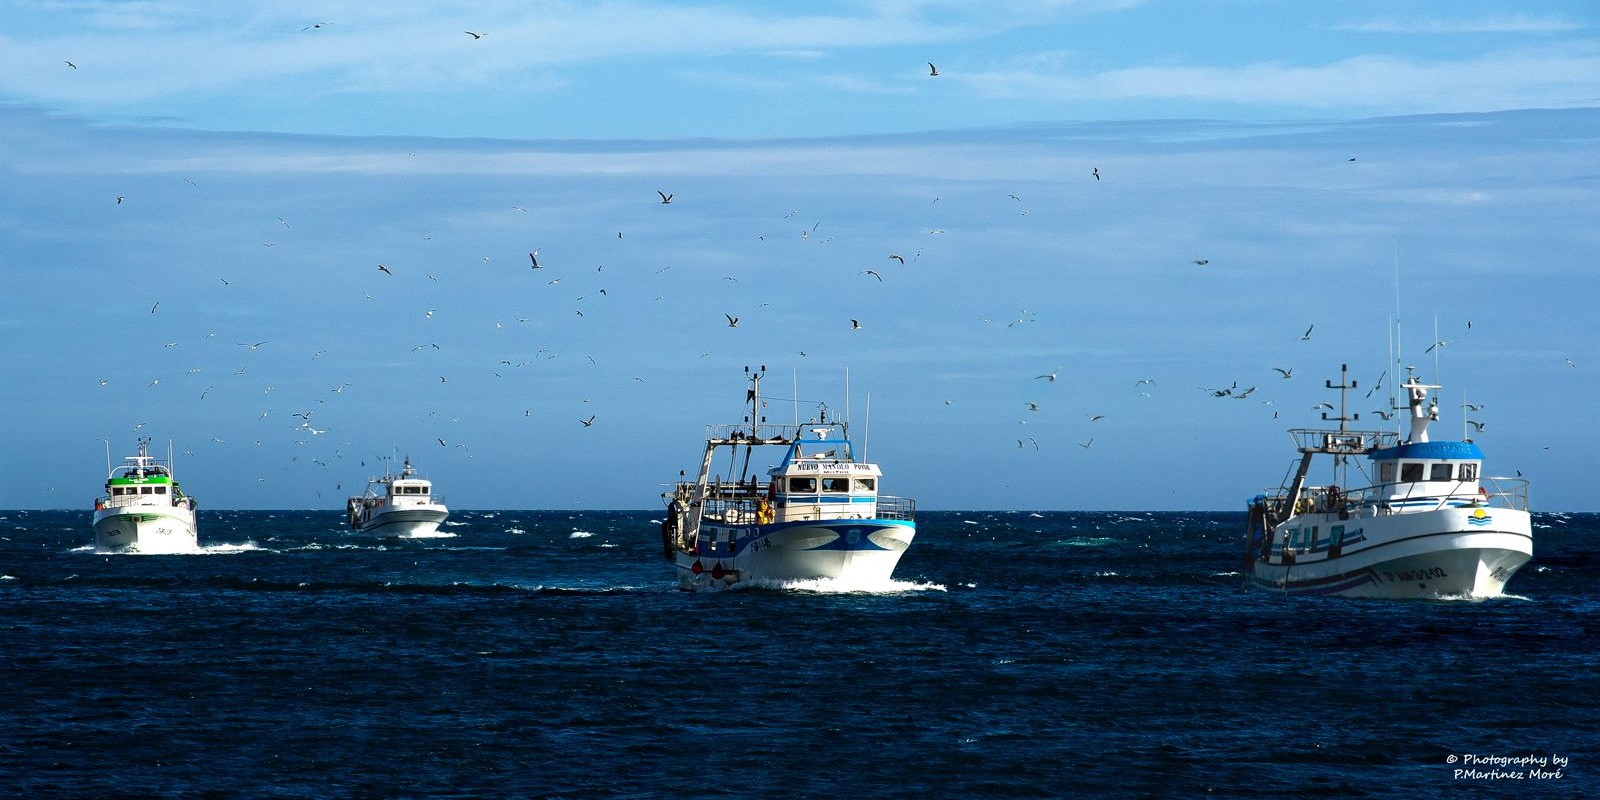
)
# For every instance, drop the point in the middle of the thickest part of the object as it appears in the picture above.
(268, 161)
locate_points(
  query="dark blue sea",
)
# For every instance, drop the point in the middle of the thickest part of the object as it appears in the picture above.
(550, 654)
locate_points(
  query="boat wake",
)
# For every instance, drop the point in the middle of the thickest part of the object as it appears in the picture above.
(202, 550)
(841, 586)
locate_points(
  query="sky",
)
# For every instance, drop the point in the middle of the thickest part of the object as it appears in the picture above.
(1149, 200)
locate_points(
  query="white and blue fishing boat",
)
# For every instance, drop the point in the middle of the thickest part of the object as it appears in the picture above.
(816, 514)
(401, 505)
(1422, 520)
(144, 510)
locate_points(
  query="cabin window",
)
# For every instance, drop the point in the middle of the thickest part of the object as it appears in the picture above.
(147, 490)
(161, 490)
(805, 485)
(1386, 472)
(1442, 472)
(835, 484)
(1469, 472)
(867, 485)
(1411, 472)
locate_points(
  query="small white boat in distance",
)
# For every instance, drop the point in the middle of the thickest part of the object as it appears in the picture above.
(1428, 524)
(817, 515)
(143, 509)
(400, 505)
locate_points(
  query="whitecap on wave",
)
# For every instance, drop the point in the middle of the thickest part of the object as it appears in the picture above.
(579, 535)
(454, 524)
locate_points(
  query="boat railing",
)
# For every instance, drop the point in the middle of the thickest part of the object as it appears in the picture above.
(777, 434)
(1509, 492)
(890, 507)
(131, 500)
(1346, 442)
(1383, 499)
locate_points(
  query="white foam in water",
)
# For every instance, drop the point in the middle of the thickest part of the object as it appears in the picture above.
(579, 535)
(453, 523)
(838, 586)
(438, 534)
(515, 530)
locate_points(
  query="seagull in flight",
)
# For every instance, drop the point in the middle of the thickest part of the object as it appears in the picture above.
(733, 321)
(873, 273)
(855, 325)
(1476, 426)
(1286, 373)
(1383, 415)
(588, 423)
(534, 257)
(475, 37)
(70, 64)
(385, 270)
(1095, 172)
(1472, 406)
(665, 198)
(898, 257)
(1050, 376)
(1439, 344)
(251, 346)
(1086, 445)
(933, 71)
(1200, 262)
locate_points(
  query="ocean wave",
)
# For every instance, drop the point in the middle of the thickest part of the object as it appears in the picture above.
(579, 535)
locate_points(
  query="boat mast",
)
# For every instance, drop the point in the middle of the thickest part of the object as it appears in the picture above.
(1344, 385)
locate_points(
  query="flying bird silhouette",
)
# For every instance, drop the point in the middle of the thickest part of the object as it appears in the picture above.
(933, 71)
(733, 321)
(1306, 337)
(588, 423)
(475, 36)
(873, 273)
(385, 270)
(665, 198)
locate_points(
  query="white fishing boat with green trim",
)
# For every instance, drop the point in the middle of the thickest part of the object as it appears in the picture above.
(144, 510)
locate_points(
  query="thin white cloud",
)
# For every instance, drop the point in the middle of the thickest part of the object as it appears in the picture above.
(1438, 25)
(1364, 84)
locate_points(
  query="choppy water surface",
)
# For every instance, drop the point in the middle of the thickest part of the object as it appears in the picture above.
(550, 654)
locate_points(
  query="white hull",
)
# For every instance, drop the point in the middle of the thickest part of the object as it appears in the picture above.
(410, 522)
(861, 552)
(145, 529)
(1452, 552)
